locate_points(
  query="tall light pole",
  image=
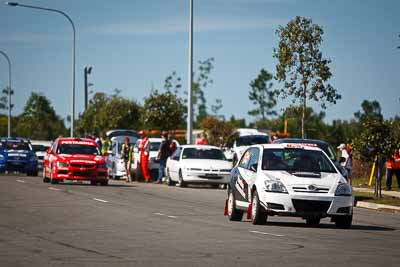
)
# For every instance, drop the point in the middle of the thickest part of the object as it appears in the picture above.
(189, 130)
(9, 93)
(87, 70)
(15, 4)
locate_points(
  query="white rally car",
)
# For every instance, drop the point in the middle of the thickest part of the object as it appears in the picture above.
(289, 180)
(198, 164)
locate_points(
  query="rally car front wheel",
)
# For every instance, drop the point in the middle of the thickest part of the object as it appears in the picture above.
(45, 178)
(233, 213)
(258, 214)
(344, 221)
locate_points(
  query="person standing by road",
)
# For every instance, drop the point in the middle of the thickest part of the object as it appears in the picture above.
(202, 140)
(105, 145)
(349, 162)
(344, 158)
(393, 167)
(163, 154)
(97, 139)
(144, 150)
(172, 144)
(127, 156)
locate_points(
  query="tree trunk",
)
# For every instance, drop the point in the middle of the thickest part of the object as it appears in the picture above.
(303, 115)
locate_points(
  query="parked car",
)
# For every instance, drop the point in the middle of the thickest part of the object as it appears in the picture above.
(245, 137)
(115, 163)
(40, 148)
(289, 180)
(198, 164)
(325, 146)
(19, 156)
(122, 132)
(74, 159)
(3, 160)
(154, 162)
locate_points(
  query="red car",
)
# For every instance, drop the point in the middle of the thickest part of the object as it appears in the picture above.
(74, 159)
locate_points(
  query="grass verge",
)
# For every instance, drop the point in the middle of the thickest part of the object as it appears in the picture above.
(369, 197)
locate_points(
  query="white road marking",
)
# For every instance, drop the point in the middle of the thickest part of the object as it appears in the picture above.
(20, 181)
(55, 189)
(100, 200)
(173, 217)
(159, 214)
(263, 233)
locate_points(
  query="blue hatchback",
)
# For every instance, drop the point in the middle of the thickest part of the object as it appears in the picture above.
(18, 155)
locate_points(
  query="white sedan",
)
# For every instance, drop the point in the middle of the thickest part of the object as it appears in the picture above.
(198, 164)
(289, 180)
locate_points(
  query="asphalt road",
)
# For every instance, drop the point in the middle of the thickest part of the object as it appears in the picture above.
(154, 225)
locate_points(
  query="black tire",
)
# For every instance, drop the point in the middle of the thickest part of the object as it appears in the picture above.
(344, 222)
(35, 173)
(233, 213)
(104, 183)
(93, 182)
(258, 214)
(169, 181)
(181, 182)
(52, 181)
(313, 221)
(45, 178)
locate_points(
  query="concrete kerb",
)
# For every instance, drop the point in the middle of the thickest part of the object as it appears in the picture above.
(374, 206)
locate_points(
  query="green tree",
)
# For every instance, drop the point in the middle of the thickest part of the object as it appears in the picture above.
(107, 112)
(301, 66)
(218, 131)
(215, 108)
(237, 123)
(173, 83)
(262, 95)
(202, 80)
(39, 119)
(163, 111)
(370, 110)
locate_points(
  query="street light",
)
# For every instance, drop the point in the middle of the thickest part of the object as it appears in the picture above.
(190, 78)
(87, 71)
(9, 93)
(16, 4)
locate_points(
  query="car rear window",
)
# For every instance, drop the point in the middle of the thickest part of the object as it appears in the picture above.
(197, 153)
(252, 140)
(40, 148)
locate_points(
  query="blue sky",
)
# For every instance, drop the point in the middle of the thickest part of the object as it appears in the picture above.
(134, 45)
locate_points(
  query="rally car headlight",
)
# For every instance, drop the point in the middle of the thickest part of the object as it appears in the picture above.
(343, 190)
(62, 164)
(101, 166)
(275, 186)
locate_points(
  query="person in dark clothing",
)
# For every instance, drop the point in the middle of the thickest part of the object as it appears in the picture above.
(163, 154)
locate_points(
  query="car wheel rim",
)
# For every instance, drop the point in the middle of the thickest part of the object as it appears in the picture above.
(230, 204)
(254, 207)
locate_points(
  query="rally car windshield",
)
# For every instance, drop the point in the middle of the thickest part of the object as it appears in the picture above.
(78, 149)
(15, 145)
(252, 140)
(296, 161)
(195, 153)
